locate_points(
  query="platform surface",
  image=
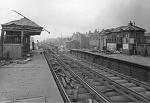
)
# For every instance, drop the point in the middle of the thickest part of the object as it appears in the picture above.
(137, 59)
(28, 81)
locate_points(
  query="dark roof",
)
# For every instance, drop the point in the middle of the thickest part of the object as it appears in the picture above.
(106, 31)
(22, 22)
(129, 27)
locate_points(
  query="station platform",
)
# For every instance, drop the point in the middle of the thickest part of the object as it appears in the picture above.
(31, 82)
(137, 59)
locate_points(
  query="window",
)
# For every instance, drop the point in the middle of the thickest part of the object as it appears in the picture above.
(12, 37)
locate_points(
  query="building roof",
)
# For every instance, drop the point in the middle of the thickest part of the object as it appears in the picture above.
(22, 22)
(129, 27)
(106, 31)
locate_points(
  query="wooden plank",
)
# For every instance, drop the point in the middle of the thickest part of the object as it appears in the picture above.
(12, 51)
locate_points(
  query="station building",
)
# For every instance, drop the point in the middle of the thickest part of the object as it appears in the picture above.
(125, 38)
(15, 38)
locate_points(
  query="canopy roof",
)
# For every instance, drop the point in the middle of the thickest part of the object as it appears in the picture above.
(22, 24)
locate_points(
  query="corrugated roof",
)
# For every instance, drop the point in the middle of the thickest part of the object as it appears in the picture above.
(22, 22)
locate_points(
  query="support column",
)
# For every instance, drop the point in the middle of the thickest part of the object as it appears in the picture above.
(22, 48)
(28, 43)
(2, 42)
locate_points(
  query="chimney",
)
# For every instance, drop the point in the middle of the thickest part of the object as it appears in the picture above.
(130, 24)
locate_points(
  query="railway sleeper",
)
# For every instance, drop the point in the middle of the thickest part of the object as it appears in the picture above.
(119, 99)
(138, 89)
(121, 81)
(84, 96)
(90, 80)
(111, 93)
(147, 93)
(80, 97)
(76, 85)
(109, 75)
(96, 83)
(104, 73)
(101, 88)
(114, 78)
(80, 91)
(128, 85)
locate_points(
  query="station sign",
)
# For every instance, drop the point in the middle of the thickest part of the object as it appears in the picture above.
(125, 46)
(111, 46)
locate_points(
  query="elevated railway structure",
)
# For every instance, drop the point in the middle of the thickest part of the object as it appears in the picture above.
(81, 81)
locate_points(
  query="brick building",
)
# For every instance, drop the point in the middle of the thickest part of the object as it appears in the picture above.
(125, 38)
(94, 39)
(74, 44)
(82, 39)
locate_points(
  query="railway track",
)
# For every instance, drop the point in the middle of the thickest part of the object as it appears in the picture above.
(72, 88)
(134, 86)
(91, 81)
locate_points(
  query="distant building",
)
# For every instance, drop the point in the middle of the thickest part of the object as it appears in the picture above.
(97, 40)
(74, 44)
(125, 38)
(94, 39)
(103, 39)
(82, 39)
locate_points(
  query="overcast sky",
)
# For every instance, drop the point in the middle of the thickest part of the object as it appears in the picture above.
(68, 16)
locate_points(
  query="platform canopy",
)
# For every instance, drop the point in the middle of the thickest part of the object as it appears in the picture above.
(29, 27)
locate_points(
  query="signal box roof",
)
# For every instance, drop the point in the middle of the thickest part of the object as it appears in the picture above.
(22, 24)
